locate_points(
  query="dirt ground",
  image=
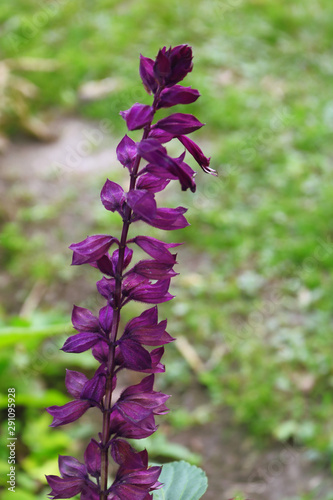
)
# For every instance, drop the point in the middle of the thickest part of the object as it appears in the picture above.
(232, 459)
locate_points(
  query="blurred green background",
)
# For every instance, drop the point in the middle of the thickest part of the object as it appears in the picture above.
(254, 298)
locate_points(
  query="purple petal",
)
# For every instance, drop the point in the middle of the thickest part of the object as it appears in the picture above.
(94, 389)
(67, 413)
(151, 293)
(83, 320)
(181, 63)
(125, 491)
(138, 116)
(106, 287)
(75, 382)
(92, 458)
(142, 203)
(162, 66)
(105, 319)
(147, 74)
(135, 356)
(139, 430)
(157, 366)
(197, 154)
(128, 253)
(160, 135)
(100, 352)
(64, 488)
(169, 218)
(177, 95)
(179, 124)
(90, 491)
(155, 248)
(126, 152)
(151, 183)
(148, 333)
(121, 450)
(71, 467)
(112, 196)
(147, 318)
(104, 264)
(91, 249)
(151, 150)
(80, 342)
(155, 270)
(145, 385)
(185, 175)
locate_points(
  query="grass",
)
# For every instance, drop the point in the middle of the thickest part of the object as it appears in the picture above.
(258, 282)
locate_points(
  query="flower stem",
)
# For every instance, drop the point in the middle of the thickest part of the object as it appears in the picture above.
(113, 335)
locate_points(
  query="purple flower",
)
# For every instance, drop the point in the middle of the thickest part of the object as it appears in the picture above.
(74, 480)
(169, 218)
(92, 329)
(153, 366)
(137, 402)
(132, 430)
(147, 74)
(142, 203)
(138, 116)
(134, 479)
(91, 249)
(179, 124)
(67, 413)
(112, 196)
(163, 166)
(153, 269)
(197, 154)
(155, 248)
(86, 392)
(172, 65)
(151, 183)
(126, 152)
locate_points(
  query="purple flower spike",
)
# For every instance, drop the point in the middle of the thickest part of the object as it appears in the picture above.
(138, 116)
(140, 346)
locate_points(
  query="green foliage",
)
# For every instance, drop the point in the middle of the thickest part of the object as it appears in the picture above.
(182, 481)
(255, 293)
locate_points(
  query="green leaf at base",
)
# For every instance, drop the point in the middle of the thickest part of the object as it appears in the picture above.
(182, 481)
